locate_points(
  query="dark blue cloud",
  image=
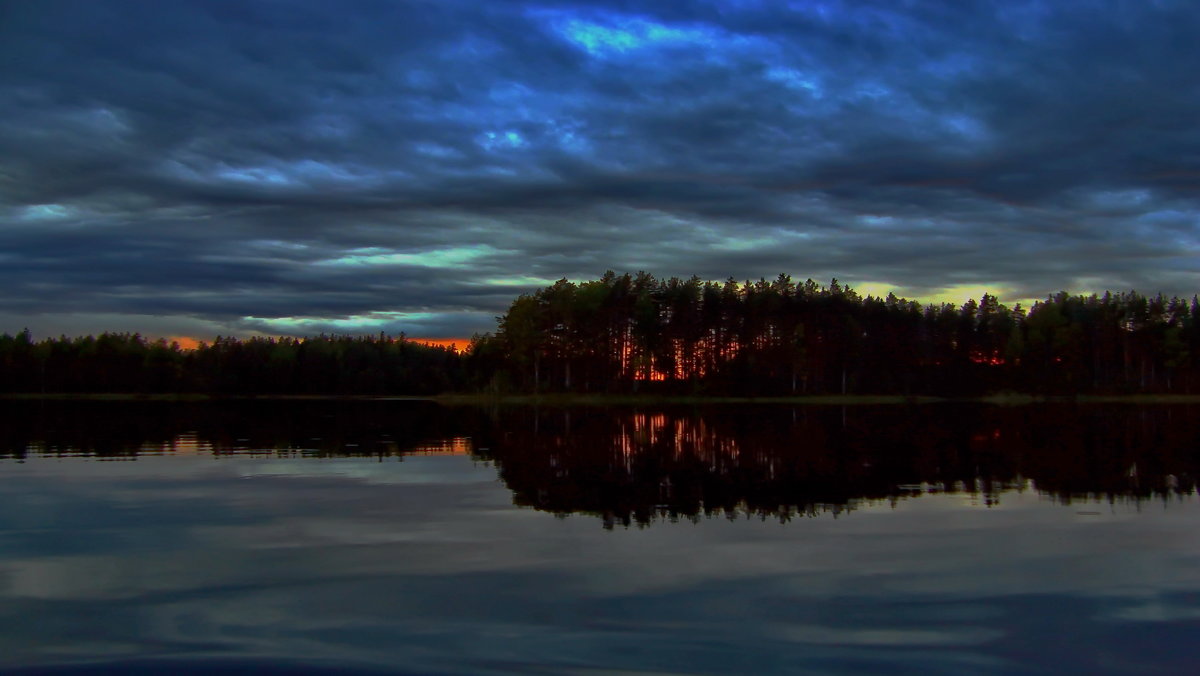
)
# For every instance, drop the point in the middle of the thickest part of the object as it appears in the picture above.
(250, 166)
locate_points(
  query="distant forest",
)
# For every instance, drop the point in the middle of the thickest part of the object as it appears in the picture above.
(636, 333)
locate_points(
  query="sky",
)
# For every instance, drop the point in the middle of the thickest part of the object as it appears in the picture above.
(297, 167)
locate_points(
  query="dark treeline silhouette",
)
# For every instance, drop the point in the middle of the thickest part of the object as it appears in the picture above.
(119, 362)
(631, 333)
(636, 333)
(639, 466)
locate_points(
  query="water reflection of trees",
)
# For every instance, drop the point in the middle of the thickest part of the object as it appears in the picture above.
(638, 466)
(128, 430)
(635, 466)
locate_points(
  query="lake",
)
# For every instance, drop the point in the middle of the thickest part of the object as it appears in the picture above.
(371, 537)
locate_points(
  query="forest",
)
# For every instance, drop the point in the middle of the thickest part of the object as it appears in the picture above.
(324, 365)
(641, 334)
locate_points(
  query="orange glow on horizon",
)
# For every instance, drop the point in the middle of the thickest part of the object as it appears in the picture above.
(186, 343)
(459, 344)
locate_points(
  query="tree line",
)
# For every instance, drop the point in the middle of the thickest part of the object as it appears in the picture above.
(124, 363)
(637, 333)
(630, 333)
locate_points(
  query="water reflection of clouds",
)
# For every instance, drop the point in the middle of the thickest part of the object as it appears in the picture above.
(1155, 609)
(256, 510)
(949, 636)
(356, 560)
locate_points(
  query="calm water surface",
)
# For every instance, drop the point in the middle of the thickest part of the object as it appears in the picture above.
(402, 537)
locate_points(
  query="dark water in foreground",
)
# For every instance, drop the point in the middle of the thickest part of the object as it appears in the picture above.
(401, 537)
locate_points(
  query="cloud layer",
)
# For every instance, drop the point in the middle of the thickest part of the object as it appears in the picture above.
(232, 167)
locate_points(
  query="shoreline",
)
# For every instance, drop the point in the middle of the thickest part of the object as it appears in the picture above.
(599, 400)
